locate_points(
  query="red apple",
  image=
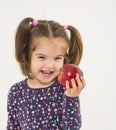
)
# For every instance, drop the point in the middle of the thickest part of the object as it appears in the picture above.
(68, 72)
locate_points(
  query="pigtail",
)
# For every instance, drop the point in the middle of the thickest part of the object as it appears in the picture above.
(75, 47)
(22, 40)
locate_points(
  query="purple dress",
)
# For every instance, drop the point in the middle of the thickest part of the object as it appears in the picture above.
(42, 108)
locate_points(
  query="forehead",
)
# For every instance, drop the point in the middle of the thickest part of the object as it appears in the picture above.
(44, 42)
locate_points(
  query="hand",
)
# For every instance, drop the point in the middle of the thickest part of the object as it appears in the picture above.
(76, 89)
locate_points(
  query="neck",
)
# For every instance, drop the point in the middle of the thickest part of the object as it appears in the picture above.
(35, 83)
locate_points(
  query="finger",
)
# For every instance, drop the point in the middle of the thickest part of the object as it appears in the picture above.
(67, 91)
(83, 81)
(79, 82)
(74, 85)
(67, 86)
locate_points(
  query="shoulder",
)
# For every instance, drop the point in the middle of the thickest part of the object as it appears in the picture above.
(17, 87)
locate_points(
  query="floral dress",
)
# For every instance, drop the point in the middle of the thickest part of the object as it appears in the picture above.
(42, 108)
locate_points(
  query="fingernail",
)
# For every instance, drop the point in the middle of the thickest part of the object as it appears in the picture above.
(77, 75)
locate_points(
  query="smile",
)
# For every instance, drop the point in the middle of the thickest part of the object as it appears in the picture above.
(46, 73)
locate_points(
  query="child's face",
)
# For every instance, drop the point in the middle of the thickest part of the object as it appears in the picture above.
(47, 59)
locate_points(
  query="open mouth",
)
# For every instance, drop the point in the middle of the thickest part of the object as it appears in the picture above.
(46, 73)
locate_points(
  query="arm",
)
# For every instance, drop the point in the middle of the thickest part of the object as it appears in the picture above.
(12, 122)
(71, 117)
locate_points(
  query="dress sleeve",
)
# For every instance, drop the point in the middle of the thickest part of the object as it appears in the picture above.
(71, 116)
(12, 122)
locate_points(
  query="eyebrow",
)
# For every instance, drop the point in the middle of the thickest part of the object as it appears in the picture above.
(47, 56)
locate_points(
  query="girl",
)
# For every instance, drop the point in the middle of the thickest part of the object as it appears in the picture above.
(39, 102)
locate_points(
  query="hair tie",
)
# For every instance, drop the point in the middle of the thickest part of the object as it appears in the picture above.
(34, 22)
(65, 27)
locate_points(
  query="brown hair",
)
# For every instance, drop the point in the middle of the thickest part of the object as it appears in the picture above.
(26, 32)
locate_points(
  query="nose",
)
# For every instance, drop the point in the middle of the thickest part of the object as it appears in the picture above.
(49, 64)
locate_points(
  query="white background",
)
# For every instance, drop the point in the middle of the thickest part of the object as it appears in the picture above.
(96, 21)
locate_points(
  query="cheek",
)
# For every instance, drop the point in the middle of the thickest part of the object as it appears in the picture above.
(34, 66)
(59, 65)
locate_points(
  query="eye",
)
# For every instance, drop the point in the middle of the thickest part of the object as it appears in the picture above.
(41, 57)
(58, 58)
